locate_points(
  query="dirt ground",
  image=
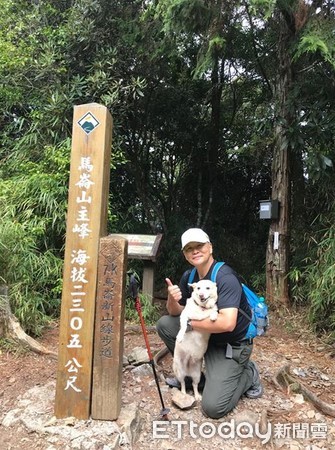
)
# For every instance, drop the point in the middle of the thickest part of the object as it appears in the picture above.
(296, 423)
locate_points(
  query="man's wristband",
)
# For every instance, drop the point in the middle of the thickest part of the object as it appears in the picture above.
(189, 326)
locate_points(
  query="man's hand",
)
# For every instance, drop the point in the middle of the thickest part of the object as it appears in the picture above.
(173, 290)
(174, 295)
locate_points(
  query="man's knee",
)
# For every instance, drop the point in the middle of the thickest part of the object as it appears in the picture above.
(214, 407)
(167, 328)
(162, 325)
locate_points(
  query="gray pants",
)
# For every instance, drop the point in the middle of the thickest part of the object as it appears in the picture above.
(227, 379)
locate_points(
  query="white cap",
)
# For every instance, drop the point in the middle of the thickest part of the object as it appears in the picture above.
(194, 235)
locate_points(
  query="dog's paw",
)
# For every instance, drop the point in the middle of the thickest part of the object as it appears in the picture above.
(198, 397)
(213, 316)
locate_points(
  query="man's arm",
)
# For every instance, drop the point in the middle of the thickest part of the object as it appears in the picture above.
(226, 321)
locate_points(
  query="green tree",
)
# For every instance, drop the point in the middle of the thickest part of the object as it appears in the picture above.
(297, 50)
(49, 64)
(205, 99)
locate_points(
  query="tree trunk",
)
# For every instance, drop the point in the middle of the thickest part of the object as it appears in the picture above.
(213, 150)
(278, 247)
(11, 329)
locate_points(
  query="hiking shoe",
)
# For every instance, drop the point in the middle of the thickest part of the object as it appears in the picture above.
(256, 389)
(174, 382)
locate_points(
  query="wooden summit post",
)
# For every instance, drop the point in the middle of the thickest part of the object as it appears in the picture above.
(86, 223)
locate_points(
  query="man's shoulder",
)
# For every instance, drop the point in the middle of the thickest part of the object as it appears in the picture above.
(226, 269)
(227, 276)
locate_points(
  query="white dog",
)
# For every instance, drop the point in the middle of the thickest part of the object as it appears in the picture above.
(191, 346)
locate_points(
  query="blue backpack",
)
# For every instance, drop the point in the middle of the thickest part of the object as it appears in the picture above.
(259, 320)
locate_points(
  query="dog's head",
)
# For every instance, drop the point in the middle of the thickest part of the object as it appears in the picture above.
(204, 293)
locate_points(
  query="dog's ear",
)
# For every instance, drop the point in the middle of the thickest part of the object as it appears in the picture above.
(193, 285)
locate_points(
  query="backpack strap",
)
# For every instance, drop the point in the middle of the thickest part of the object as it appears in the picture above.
(244, 287)
(215, 270)
(191, 276)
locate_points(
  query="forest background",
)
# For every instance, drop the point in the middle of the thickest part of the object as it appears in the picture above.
(216, 106)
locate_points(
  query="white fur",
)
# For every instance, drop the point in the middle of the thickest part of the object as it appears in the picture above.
(191, 346)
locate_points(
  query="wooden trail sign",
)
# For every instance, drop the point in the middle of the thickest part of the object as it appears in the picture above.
(109, 328)
(86, 224)
(145, 247)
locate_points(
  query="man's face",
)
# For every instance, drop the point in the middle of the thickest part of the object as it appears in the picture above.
(197, 253)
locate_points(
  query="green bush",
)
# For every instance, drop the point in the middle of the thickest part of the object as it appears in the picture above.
(33, 277)
(33, 208)
(314, 284)
(150, 312)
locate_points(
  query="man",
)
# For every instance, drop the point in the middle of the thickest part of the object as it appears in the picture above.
(229, 371)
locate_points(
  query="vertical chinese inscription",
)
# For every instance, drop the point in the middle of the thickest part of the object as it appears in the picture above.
(109, 328)
(86, 223)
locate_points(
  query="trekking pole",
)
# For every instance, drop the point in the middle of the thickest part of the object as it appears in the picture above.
(133, 287)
